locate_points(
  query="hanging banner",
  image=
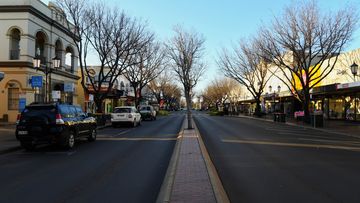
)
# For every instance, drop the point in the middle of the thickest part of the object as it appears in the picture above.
(22, 104)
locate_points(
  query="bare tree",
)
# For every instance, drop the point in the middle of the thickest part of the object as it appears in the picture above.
(149, 65)
(185, 50)
(163, 88)
(220, 90)
(301, 41)
(111, 34)
(246, 65)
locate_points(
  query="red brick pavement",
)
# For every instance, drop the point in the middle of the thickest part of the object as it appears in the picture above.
(192, 182)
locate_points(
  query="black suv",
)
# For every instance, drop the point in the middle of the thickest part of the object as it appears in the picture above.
(54, 123)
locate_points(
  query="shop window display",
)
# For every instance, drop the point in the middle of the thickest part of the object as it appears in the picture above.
(336, 108)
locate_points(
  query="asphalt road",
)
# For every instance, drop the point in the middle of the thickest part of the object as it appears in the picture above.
(260, 161)
(123, 165)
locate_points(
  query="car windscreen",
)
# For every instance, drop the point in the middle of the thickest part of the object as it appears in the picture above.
(122, 110)
(67, 111)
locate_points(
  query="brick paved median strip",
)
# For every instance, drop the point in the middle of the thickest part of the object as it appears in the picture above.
(192, 183)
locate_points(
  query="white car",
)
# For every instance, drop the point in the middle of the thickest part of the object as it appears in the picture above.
(125, 114)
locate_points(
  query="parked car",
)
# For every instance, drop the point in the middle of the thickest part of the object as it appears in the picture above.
(125, 114)
(147, 112)
(54, 123)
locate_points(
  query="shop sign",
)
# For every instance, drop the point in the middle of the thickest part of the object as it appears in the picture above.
(69, 87)
(348, 85)
(56, 94)
(36, 81)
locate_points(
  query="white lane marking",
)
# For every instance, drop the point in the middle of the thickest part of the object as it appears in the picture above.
(285, 144)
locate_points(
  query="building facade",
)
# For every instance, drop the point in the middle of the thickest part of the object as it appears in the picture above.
(337, 96)
(120, 94)
(29, 29)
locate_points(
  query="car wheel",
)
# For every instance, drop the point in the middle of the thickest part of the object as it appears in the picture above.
(27, 145)
(69, 140)
(92, 135)
(114, 125)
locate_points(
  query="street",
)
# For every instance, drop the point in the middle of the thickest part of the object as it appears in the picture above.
(123, 165)
(260, 161)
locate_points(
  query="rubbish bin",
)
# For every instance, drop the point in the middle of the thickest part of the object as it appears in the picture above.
(317, 119)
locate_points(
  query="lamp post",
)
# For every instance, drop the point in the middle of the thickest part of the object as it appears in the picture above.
(354, 69)
(279, 89)
(47, 70)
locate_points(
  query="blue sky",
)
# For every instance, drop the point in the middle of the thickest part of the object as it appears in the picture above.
(222, 23)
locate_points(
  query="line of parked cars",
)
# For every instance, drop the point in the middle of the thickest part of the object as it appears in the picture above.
(131, 115)
(64, 124)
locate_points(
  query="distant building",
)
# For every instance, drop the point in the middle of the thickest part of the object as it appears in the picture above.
(27, 28)
(121, 93)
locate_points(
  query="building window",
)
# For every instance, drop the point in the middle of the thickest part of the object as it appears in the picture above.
(69, 59)
(15, 44)
(59, 51)
(13, 98)
(40, 47)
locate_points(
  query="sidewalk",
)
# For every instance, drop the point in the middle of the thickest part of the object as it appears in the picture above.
(348, 128)
(8, 141)
(191, 177)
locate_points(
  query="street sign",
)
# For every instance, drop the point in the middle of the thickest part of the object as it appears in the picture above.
(36, 81)
(56, 94)
(69, 87)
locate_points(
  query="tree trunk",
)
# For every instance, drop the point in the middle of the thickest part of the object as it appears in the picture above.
(136, 101)
(188, 104)
(306, 104)
(257, 107)
(98, 102)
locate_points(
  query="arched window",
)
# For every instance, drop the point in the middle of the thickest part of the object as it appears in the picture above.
(15, 44)
(59, 51)
(40, 47)
(69, 59)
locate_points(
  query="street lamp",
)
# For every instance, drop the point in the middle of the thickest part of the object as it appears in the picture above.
(47, 70)
(354, 69)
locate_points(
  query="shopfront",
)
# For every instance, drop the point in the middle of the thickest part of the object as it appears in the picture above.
(338, 101)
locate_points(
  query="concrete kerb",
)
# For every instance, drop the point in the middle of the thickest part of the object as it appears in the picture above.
(216, 183)
(167, 185)
(302, 126)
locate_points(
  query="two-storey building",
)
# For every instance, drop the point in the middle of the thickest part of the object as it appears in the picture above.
(29, 29)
